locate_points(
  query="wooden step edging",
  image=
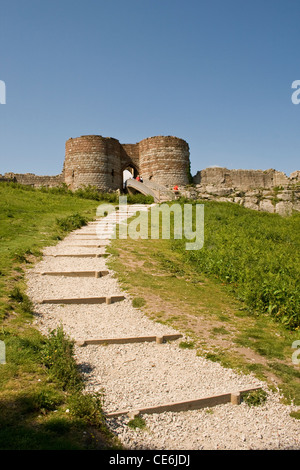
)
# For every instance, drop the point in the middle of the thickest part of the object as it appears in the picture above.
(90, 246)
(133, 339)
(207, 402)
(93, 238)
(75, 273)
(91, 234)
(85, 300)
(82, 255)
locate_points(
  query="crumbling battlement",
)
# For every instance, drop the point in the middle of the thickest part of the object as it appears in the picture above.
(33, 180)
(244, 179)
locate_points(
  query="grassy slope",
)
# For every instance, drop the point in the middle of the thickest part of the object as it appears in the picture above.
(32, 403)
(172, 290)
(174, 287)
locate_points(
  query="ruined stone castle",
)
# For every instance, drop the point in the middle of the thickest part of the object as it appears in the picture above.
(164, 161)
(100, 161)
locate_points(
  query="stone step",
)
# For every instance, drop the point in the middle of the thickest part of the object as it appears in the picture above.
(82, 255)
(75, 273)
(233, 397)
(89, 246)
(85, 300)
(133, 339)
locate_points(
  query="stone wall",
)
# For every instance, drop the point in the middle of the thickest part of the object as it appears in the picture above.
(269, 191)
(100, 161)
(93, 160)
(33, 180)
(165, 160)
(130, 156)
(242, 179)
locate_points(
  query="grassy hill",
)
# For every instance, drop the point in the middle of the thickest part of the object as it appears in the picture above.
(40, 380)
(238, 297)
(257, 255)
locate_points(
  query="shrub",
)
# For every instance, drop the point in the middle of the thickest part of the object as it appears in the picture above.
(91, 192)
(137, 422)
(255, 398)
(43, 400)
(22, 299)
(57, 355)
(88, 408)
(72, 222)
(57, 425)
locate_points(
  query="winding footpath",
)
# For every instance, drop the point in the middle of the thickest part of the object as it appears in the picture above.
(138, 363)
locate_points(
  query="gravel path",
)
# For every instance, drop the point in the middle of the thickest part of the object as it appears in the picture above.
(148, 374)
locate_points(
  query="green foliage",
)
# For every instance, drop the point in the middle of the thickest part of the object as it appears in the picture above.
(257, 255)
(43, 400)
(71, 222)
(138, 302)
(58, 357)
(137, 422)
(22, 300)
(16, 294)
(255, 397)
(139, 199)
(187, 344)
(57, 425)
(88, 408)
(91, 192)
(40, 373)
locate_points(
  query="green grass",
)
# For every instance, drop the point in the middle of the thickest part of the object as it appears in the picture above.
(256, 254)
(42, 406)
(138, 302)
(223, 296)
(186, 344)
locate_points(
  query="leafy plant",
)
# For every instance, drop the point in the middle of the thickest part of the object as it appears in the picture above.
(87, 407)
(22, 299)
(43, 400)
(137, 422)
(255, 397)
(58, 357)
(71, 222)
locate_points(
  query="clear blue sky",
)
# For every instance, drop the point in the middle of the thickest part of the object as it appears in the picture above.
(216, 73)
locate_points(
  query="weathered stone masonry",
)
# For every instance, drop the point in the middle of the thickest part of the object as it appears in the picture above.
(165, 161)
(31, 179)
(100, 161)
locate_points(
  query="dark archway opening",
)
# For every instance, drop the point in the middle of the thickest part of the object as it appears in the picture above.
(129, 171)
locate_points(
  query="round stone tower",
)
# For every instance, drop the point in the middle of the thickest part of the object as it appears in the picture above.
(93, 160)
(99, 161)
(165, 160)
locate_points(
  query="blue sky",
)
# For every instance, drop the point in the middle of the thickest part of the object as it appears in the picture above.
(216, 73)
